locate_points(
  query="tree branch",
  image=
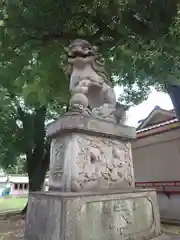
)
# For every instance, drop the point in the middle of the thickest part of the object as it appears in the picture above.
(44, 36)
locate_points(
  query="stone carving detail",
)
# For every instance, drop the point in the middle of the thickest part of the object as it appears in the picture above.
(89, 85)
(56, 163)
(102, 163)
(113, 218)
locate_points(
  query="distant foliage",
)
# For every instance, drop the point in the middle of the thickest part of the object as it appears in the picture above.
(138, 39)
(18, 167)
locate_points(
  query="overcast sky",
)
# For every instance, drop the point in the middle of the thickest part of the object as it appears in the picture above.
(142, 110)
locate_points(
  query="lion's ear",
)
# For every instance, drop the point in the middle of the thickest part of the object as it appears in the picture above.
(66, 49)
(95, 48)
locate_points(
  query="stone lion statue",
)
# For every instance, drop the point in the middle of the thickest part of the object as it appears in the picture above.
(89, 83)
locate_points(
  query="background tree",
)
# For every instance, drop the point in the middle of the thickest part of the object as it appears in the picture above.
(17, 167)
(22, 131)
(138, 39)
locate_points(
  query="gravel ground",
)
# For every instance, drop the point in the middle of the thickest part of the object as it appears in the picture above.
(13, 229)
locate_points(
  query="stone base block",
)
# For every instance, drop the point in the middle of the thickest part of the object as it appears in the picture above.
(88, 154)
(111, 215)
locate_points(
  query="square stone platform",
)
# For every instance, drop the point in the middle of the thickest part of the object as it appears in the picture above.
(111, 215)
(89, 154)
(91, 126)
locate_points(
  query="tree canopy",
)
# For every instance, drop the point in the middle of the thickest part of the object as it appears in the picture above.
(138, 39)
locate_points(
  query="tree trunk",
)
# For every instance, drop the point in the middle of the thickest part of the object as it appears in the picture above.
(36, 182)
(38, 159)
(38, 173)
(37, 176)
(174, 93)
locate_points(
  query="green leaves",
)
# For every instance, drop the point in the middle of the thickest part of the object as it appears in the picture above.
(138, 39)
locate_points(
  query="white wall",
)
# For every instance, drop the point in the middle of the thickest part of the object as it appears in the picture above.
(169, 207)
(157, 158)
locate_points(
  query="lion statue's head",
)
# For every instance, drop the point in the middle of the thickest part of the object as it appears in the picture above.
(81, 51)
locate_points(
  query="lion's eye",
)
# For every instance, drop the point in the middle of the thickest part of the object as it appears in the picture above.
(86, 48)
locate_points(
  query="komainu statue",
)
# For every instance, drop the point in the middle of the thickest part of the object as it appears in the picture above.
(92, 91)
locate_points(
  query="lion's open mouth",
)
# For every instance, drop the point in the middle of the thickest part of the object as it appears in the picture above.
(80, 54)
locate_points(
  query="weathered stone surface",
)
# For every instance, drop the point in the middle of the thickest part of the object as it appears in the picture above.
(80, 162)
(89, 83)
(91, 126)
(110, 216)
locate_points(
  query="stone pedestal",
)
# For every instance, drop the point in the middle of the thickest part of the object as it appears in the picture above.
(90, 160)
(90, 154)
(110, 215)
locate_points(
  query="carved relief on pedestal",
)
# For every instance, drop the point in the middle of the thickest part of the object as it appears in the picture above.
(102, 163)
(56, 163)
